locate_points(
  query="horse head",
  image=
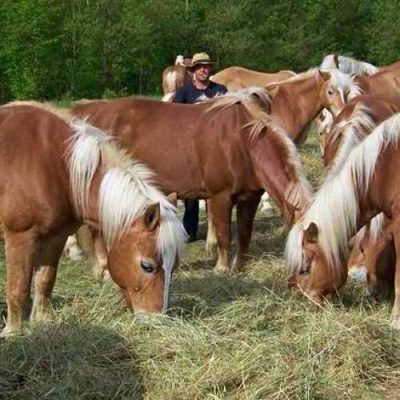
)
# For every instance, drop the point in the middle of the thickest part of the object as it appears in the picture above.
(311, 271)
(136, 265)
(337, 89)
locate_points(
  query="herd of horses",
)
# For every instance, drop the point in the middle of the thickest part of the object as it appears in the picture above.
(118, 167)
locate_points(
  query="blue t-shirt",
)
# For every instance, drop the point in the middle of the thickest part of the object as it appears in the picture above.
(189, 94)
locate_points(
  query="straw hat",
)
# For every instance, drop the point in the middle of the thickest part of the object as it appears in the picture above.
(200, 58)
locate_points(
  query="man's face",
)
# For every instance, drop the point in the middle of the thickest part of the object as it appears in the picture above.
(202, 72)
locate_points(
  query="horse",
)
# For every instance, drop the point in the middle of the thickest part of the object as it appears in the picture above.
(348, 65)
(174, 77)
(236, 78)
(317, 246)
(227, 150)
(297, 101)
(58, 172)
(313, 90)
(385, 82)
(359, 117)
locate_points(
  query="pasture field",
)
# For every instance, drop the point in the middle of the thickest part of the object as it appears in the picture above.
(239, 337)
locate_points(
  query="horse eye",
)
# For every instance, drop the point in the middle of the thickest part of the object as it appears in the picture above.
(147, 266)
(304, 270)
(362, 249)
(330, 91)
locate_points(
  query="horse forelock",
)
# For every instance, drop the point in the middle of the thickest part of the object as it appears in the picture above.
(335, 207)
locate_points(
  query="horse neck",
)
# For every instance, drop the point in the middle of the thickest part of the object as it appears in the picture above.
(297, 104)
(278, 175)
(89, 215)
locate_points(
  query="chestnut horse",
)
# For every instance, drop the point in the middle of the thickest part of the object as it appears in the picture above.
(386, 81)
(58, 172)
(227, 150)
(348, 65)
(297, 101)
(358, 119)
(236, 78)
(317, 247)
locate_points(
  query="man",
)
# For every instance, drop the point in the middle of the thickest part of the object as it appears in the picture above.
(197, 90)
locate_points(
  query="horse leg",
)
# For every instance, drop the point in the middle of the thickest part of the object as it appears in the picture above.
(246, 209)
(211, 241)
(396, 305)
(100, 268)
(21, 248)
(45, 275)
(221, 210)
(72, 249)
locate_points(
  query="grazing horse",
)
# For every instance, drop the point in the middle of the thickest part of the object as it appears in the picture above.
(317, 246)
(227, 150)
(357, 120)
(236, 78)
(58, 172)
(348, 65)
(174, 77)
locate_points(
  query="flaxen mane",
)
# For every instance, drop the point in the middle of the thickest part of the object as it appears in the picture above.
(335, 208)
(353, 131)
(348, 65)
(256, 101)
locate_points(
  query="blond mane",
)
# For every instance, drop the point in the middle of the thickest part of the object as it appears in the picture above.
(256, 101)
(335, 208)
(353, 131)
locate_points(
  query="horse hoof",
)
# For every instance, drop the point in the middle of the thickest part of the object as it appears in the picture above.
(223, 271)
(211, 249)
(6, 332)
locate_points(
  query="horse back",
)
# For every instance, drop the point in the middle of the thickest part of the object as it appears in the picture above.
(191, 149)
(34, 179)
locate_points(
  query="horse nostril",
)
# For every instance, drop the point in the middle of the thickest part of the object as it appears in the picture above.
(147, 266)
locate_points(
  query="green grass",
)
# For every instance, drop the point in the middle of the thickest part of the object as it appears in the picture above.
(239, 337)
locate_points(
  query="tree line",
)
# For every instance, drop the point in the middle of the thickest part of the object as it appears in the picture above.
(92, 48)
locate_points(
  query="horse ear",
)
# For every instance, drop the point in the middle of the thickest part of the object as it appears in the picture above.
(325, 75)
(272, 88)
(152, 216)
(336, 60)
(311, 233)
(173, 198)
